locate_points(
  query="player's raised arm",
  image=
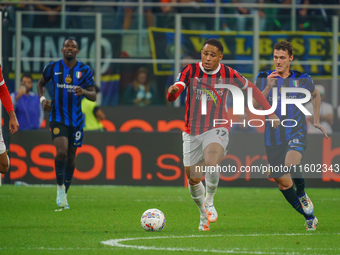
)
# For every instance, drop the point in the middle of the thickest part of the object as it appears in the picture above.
(271, 80)
(316, 102)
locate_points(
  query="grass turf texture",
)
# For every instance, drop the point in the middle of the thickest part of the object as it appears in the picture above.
(251, 221)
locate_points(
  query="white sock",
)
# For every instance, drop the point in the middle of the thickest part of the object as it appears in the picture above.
(197, 194)
(211, 183)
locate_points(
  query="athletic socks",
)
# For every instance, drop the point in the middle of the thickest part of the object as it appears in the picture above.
(292, 198)
(211, 183)
(197, 194)
(68, 176)
(60, 169)
(299, 181)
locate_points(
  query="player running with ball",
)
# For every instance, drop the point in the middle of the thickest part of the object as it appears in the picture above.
(204, 143)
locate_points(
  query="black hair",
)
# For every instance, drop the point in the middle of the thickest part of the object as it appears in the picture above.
(214, 42)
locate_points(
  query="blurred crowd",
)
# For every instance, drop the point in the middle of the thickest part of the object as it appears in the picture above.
(124, 17)
(139, 87)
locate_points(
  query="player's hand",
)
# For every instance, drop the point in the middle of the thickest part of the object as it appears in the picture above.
(275, 120)
(47, 105)
(173, 89)
(78, 91)
(317, 125)
(271, 79)
(13, 123)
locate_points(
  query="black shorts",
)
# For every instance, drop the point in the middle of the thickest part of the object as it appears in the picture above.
(73, 134)
(276, 156)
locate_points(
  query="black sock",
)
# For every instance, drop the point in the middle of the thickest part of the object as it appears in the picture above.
(298, 180)
(292, 198)
(68, 176)
(59, 170)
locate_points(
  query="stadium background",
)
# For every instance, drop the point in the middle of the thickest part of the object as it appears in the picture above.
(143, 145)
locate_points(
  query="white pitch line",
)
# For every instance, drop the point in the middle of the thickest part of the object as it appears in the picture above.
(117, 243)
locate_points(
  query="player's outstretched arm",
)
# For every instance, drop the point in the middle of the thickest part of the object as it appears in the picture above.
(316, 102)
(173, 92)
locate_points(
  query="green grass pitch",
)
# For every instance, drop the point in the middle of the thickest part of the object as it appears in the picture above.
(251, 221)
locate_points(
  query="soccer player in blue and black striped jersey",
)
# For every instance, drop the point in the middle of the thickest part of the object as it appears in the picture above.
(285, 145)
(71, 81)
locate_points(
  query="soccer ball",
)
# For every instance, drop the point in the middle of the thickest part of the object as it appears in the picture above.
(153, 220)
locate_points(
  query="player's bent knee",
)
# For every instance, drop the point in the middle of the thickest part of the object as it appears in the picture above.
(62, 155)
(194, 181)
(284, 184)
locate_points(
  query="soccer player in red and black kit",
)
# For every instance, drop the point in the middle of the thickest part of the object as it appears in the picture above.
(204, 141)
(13, 123)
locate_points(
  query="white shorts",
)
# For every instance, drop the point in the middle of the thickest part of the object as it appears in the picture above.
(2, 143)
(194, 145)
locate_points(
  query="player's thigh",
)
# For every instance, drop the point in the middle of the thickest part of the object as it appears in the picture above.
(293, 158)
(192, 150)
(276, 160)
(4, 164)
(296, 147)
(214, 145)
(60, 135)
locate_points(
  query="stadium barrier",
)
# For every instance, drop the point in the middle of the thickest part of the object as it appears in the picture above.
(154, 158)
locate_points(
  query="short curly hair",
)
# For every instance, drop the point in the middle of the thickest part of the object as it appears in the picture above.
(285, 46)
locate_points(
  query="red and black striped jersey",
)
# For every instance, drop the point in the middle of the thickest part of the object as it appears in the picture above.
(4, 94)
(206, 103)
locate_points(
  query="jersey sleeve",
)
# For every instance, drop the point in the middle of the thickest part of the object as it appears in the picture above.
(4, 94)
(261, 80)
(88, 78)
(47, 72)
(238, 79)
(183, 77)
(182, 81)
(310, 84)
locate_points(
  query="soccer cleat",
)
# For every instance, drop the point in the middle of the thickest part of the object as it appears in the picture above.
(61, 196)
(307, 204)
(66, 206)
(204, 224)
(211, 213)
(311, 223)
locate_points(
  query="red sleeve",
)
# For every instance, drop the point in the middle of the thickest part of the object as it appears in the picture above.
(173, 97)
(4, 94)
(259, 97)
